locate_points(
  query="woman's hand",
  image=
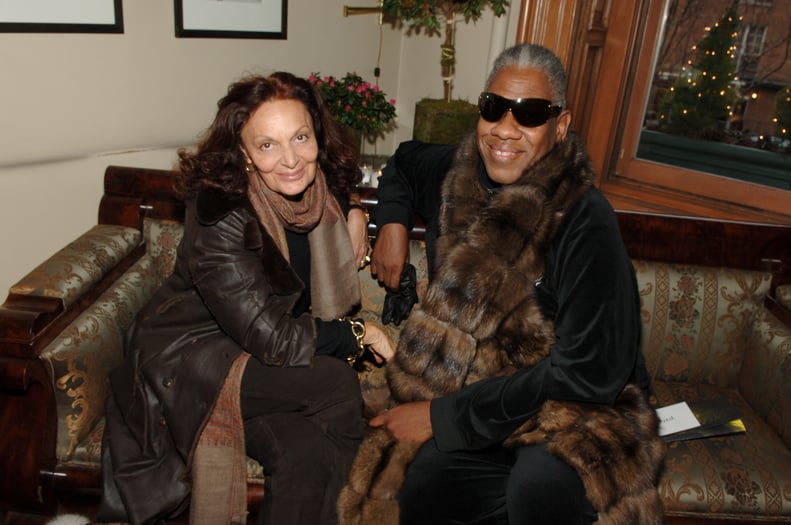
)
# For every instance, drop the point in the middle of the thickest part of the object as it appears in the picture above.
(358, 231)
(377, 340)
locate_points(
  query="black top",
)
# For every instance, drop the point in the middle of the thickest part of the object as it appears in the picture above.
(410, 184)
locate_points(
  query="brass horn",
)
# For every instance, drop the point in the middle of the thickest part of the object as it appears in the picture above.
(350, 11)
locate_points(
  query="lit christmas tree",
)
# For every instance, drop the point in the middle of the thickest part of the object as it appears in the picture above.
(701, 101)
(782, 118)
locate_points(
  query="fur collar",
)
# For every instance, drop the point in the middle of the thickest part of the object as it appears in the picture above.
(490, 251)
(556, 182)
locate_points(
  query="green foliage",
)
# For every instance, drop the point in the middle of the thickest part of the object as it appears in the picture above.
(443, 122)
(783, 113)
(431, 15)
(703, 96)
(356, 103)
(427, 14)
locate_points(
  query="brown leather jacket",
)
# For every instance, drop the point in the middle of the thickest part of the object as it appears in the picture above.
(231, 291)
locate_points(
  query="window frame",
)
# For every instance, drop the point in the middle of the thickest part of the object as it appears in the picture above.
(613, 110)
(748, 45)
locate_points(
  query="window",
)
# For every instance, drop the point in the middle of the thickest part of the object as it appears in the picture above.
(753, 41)
(611, 49)
(700, 91)
(751, 45)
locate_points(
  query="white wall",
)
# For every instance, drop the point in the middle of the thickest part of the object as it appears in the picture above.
(45, 206)
(71, 104)
(420, 74)
(69, 95)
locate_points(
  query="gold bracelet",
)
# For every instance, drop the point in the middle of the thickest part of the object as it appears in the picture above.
(362, 209)
(358, 329)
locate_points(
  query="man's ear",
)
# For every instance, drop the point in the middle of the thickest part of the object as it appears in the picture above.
(563, 125)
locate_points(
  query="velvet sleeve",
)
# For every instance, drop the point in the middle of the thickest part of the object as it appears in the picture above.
(410, 182)
(590, 292)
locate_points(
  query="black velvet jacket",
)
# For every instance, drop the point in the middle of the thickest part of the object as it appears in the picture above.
(529, 334)
(588, 291)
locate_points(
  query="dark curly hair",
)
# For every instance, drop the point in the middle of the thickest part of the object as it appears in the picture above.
(217, 160)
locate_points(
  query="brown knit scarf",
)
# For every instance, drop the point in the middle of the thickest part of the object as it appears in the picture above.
(335, 287)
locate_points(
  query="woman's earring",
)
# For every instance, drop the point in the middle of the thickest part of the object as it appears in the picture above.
(247, 168)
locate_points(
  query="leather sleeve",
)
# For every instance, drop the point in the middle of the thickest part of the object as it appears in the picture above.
(410, 182)
(250, 290)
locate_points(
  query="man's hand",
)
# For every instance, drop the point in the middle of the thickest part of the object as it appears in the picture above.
(408, 422)
(390, 254)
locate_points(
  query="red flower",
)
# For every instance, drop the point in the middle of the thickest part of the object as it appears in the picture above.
(355, 102)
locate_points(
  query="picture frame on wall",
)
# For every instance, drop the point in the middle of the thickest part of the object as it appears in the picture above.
(231, 18)
(61, 16)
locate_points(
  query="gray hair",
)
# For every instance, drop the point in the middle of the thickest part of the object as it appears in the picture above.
(534, 56)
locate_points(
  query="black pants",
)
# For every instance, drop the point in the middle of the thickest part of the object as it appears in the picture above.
(304, 426)
(497, 486)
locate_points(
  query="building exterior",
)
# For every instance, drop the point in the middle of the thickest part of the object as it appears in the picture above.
(761, 51)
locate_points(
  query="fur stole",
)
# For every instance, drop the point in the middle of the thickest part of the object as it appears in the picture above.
(480, 319)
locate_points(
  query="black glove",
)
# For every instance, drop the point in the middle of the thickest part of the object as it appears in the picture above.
(398, 304)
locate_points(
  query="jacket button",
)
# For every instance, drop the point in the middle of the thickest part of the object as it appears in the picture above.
(167, 382)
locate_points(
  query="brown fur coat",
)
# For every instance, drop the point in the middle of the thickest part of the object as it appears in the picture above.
(480, 319)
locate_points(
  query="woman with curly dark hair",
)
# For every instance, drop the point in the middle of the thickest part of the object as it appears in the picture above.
(253, 313)
(220, 163)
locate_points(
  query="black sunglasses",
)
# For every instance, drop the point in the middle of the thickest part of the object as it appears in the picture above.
(528, 112)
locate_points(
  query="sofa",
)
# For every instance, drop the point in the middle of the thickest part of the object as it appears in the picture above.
(716, 313)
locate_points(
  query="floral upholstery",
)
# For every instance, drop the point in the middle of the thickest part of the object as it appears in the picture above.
(695, 320)
(741, 475)
(765, 378)
(83, 354)
(705, 335)
(73, 270)
(163, 237)
(91, 345)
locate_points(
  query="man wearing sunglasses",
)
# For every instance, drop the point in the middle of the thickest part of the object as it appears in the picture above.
(410, 182)
(519, 221)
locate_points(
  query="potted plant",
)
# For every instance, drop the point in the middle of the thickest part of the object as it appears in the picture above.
(432, 14)
(360, 106)
(446, 120)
